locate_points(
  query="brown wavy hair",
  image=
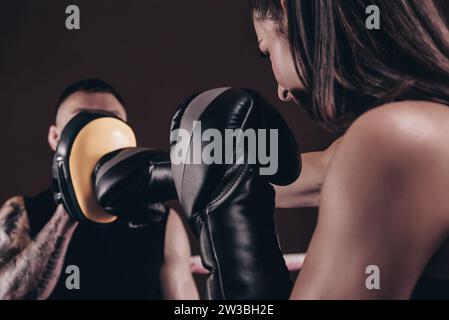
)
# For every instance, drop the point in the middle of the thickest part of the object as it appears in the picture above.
(349, 69)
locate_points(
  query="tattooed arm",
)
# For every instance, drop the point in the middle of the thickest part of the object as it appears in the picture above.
(30, 269)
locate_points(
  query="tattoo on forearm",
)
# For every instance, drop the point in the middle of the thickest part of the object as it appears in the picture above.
(14, 230)
(50, 270)
(30, 269)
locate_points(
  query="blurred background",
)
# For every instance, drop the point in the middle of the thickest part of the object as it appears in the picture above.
(155, 53)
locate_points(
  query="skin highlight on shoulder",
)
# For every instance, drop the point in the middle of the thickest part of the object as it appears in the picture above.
(414, 129)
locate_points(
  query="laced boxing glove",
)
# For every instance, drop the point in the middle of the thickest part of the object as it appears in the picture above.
(230, 206)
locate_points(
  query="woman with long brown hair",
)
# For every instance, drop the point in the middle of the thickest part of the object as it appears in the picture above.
(383, 187)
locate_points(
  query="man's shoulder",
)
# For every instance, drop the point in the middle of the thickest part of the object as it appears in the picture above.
(13, 214)
(15, 201)
(14, 206)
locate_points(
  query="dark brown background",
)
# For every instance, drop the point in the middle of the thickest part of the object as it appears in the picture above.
(154, 52)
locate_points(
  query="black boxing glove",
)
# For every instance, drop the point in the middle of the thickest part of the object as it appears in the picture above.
(130, 181)
(230, 206)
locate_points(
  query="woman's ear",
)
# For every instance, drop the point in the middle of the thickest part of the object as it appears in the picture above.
(53, 137)
(284, 24)
(284, 5)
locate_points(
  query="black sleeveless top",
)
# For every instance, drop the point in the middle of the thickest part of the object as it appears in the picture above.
(120, 261)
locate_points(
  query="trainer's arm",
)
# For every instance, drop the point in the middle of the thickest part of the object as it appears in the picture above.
(176, 276)
(29, 269)
(306, 190)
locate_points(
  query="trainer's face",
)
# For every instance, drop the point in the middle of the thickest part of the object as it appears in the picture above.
(83, 101)
(276, 46)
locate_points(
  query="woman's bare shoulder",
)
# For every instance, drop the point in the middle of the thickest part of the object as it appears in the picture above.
(407, 126)
(408, 142)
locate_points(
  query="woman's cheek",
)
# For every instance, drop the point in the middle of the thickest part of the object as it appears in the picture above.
(278, 70)
(289, 75)
(282, 72)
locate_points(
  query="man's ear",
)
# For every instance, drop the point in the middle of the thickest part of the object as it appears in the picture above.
(53, 137)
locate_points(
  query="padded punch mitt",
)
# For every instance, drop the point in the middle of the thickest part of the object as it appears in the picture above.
(84, 141)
